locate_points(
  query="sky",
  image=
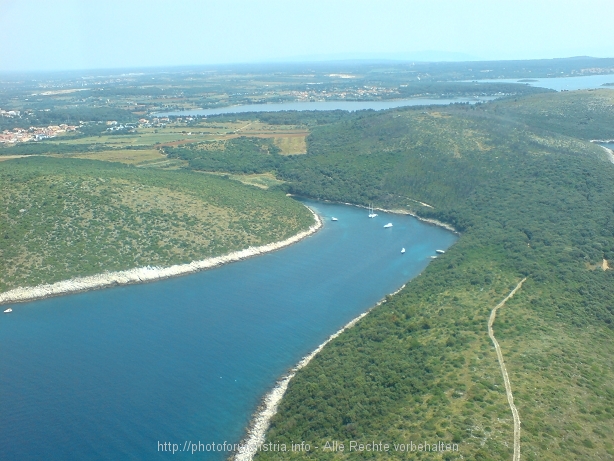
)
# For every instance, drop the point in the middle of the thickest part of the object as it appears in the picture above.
(71, 34)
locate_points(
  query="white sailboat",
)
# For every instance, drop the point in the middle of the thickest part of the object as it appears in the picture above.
(371, 213)
(402, 250)
(334, 219)
(388, 225)
(7, 311)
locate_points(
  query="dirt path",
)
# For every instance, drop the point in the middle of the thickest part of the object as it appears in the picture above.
(243, 127)
(506, 379)
(10, 157)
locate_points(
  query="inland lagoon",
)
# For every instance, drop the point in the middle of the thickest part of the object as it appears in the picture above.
(349, 106)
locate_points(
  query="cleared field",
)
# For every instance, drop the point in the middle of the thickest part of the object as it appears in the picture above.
(174, 134)
(141, 138)
(128, 156)
(261, 180)
(182, 133)
(10, 157)
(291, 145)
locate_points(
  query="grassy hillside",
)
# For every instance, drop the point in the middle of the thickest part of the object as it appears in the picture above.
(531, 203)
(587, 114)
(61, 218)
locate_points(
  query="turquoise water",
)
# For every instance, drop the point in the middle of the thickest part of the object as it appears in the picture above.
(108, 374)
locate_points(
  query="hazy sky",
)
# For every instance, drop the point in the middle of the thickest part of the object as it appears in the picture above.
(72, 34)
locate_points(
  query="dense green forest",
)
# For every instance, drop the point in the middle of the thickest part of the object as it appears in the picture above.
(61, 218)
(532, 198)
(517, 177)
(240, 155)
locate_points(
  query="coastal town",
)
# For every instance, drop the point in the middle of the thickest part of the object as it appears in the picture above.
(33, 133)
(312, 94)
(17, 135)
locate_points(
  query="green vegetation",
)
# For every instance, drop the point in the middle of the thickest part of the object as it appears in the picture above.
(586, 114)
(517, 177)
(240, 155)
(42, 148)
(69, 98)
(529, 201)
(139, 157)
(69, 115)
(288, 138)
(61, 218)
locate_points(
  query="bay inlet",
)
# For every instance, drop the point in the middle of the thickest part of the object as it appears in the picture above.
(113, 373)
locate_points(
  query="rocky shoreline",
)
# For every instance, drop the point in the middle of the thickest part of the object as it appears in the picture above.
(610, 153)
(434, 222)
(259, 424)
(148, 273)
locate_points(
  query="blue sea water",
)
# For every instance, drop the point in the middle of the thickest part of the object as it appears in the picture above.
(110, 374)
(584, 82)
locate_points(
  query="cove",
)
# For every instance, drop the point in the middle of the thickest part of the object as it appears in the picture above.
(115, 373)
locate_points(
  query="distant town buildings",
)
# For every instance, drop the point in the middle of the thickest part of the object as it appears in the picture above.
(155, 122)
(365, 92)
(33, 133)
(18, 135)
(9, 113)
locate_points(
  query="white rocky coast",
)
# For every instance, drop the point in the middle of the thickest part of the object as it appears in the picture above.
(256, 433)
(146, 274)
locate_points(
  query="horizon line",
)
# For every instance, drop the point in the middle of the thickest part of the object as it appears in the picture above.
(288, 61)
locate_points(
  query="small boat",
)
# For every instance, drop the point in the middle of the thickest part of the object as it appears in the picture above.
(402, 250)
(7, 311)
(433, 257)
(334, 219)
(440, 251)
(388, 225)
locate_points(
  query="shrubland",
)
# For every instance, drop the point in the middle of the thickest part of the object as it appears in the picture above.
(61, 218)
(531, 198)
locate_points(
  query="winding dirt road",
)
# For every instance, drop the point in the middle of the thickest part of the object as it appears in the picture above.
(506, 379)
